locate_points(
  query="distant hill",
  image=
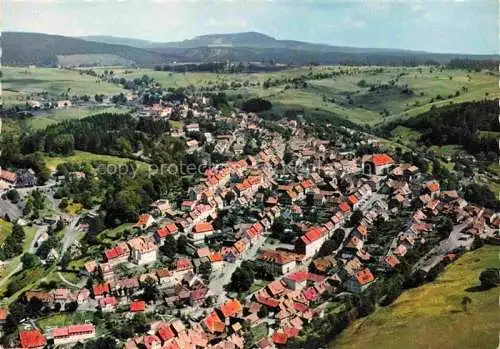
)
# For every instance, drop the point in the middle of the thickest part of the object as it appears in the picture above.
(43, 50)
(115, 40)
(50, 50)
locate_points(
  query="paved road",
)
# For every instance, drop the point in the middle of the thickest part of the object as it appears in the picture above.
(435, 255)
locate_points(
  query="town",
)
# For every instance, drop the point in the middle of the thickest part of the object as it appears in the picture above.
(266, 246)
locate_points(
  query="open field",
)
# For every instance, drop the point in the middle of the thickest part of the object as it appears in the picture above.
(42, 120)
(52, 81)
(431, 316)
(81, 157)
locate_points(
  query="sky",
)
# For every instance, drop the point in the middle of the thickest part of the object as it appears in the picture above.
(448, 26)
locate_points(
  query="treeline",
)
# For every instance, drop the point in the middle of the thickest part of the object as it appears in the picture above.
(473, 64)
(106, 133)
(457, 124)
(222, 68)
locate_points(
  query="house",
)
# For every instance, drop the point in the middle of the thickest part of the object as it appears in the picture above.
(73, 333)
(32, 339)
(200, 231)
(161, 206)
(26, 178)
(124, 287)
(160, 234)
(137, 306)
(143, 250)
(361, 281)
(8, 176)
(108, 303)
(296, 280)
(376, 163)
(231, 308)
(432, 188)
(3, 315)
(100, 290)
(310, 243)
(63, 104)
(106, 271)
(197, 297)
(389, 262)
(144, 222)
(279, 261)
(213, 324)
(118, 254)
(353, 201)
(192, 127)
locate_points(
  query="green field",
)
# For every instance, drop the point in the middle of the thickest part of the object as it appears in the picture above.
(333, 94)
(431, 316)
(5, 229)
(22, 82)
(41, 121)
(81, 157)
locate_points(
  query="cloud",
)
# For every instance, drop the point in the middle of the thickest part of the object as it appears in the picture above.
(353, 23)
(226, 23)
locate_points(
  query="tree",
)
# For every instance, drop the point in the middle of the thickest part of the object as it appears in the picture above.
(205, 270)
(169, 247)
(150, 291)
(182, 242)
(490, 278)
(30, 261)
(338, 236)
(356, 217)
(140, 323)
(241, 280)
(465, 303)
(71, 306)
(13, 195)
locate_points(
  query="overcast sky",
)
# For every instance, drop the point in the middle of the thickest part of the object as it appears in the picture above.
(467, 26)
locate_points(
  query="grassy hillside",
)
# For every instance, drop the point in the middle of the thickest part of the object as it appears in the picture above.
(21, 82)
(83, 157)
(342, 94)
(431, 316)
(40, 121)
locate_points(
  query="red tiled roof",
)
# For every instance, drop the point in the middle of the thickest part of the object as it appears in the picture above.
(364, 276)
(344, 207)
(230, 308)
(291, 332)
(214, 323)
(203, 227)
(279, 338)
(353, 199)
(143, 219)
(100, 289)
(32, 339)
(165, 333)
(7, 175)
(298, 276)
(166, 230)
(3, 313)
(114, 253)
(270, 302)
(432, 186)
(382, 159)
(137, 306)
(310, 294)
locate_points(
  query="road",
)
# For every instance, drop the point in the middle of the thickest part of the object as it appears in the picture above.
(222, 277)
(434, 256)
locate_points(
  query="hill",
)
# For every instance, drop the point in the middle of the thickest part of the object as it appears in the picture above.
(43, 50)
(116, 40)
(431, 316)
(50, 50)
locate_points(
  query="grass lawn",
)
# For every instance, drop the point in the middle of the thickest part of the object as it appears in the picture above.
(260, 331)
(431, 316)
(64, 319)
(43, 120)
(82, 157)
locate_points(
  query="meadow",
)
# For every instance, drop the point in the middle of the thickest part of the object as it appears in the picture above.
(45, 119)
(343, 95)
(83, 157)
(431, 316)
(21, 82)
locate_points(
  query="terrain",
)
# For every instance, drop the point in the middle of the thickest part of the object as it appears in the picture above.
(22, 48)
(431, 316)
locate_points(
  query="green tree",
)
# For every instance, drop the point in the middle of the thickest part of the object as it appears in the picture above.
(490, 278)
(30, 261)
(241, 280)
(150, 290)
(169, 247)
